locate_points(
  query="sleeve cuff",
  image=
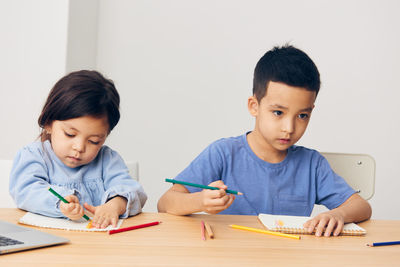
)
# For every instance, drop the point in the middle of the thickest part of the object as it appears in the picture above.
(135, 200)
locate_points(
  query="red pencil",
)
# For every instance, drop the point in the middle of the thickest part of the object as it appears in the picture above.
(203, 236)
(132, 227)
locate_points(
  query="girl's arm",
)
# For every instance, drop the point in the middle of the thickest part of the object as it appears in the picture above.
(107, 213)
(118, 182)
(29, 183)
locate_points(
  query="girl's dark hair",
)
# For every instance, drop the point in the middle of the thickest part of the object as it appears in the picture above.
(80, 93)
(288, 65)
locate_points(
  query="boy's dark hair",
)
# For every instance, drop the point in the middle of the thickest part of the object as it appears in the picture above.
(80, 93)
(288, 65)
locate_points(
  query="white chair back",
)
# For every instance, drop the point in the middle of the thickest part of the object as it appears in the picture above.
(357, 169)
(6, 200)
(133, 167)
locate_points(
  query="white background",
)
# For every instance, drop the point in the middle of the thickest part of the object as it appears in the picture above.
(184, 72)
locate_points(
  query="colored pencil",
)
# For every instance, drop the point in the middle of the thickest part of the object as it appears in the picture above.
(264, 231)
(384, 244)
(209, 230)
(132, 227)
(203, 236)
(65, 201)
(202, 186)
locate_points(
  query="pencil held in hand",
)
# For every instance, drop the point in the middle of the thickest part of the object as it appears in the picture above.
(202, 186)
(65, 201)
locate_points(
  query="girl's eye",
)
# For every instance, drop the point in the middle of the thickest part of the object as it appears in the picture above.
(277, 112)
(94, 143)
(69, 135)
(303, 116)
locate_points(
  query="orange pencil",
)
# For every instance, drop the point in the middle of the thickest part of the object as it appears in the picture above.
(209, 230)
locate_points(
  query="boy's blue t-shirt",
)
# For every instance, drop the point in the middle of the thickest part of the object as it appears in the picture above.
(291, 187)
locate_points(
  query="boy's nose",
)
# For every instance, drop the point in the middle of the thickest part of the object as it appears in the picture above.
(288, 126)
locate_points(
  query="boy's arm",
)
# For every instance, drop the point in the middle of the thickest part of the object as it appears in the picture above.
(354, 209)
(179, 201)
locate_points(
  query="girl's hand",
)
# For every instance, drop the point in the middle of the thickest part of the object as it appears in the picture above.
(332, 220)
(73, 209)
(215, 201)
(108, 213)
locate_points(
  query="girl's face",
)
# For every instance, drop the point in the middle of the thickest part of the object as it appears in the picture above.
(77, 141)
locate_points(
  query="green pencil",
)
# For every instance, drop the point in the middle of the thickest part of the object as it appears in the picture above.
(202, 186)
(65, 201)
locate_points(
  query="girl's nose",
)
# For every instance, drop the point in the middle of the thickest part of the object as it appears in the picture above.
(79, 146)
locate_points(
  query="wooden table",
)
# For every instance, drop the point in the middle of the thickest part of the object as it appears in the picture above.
(177, 242)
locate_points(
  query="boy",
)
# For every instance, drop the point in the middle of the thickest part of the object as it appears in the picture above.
(274, 175)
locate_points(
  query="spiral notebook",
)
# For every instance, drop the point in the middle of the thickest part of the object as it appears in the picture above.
(294, 224)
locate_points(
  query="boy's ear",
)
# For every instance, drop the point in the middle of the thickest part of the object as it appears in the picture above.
(252, 106)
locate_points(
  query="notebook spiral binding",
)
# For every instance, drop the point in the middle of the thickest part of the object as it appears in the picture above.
(287, 230)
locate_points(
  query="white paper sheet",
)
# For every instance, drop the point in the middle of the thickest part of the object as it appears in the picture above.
(60, 223)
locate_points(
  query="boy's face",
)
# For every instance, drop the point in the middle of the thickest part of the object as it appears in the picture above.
(77, 141)
(282, 116)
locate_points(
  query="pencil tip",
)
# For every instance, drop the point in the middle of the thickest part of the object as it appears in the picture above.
(240, 193)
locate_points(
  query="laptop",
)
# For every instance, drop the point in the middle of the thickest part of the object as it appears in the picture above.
(16, 238)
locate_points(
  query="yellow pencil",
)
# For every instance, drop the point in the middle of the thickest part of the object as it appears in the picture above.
(264, 231)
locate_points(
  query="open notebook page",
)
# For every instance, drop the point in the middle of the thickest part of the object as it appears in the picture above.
(59, 223)
(294, 224)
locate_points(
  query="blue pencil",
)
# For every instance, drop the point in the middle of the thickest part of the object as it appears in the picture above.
(384, 244)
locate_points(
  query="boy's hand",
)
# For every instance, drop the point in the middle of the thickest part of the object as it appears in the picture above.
(73, 209)
(215, 201)
(333, 220)
(108, 213)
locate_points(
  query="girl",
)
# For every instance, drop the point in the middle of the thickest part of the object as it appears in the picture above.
(80, 112)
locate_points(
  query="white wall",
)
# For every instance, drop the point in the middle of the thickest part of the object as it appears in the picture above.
(33, 57)
(82, 35)
(184, 72)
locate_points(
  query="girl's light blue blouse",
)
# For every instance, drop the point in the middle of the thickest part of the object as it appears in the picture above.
(36, 167)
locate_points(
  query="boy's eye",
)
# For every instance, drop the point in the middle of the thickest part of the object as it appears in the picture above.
(303, 116)
(69, 135)
(277, 112)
